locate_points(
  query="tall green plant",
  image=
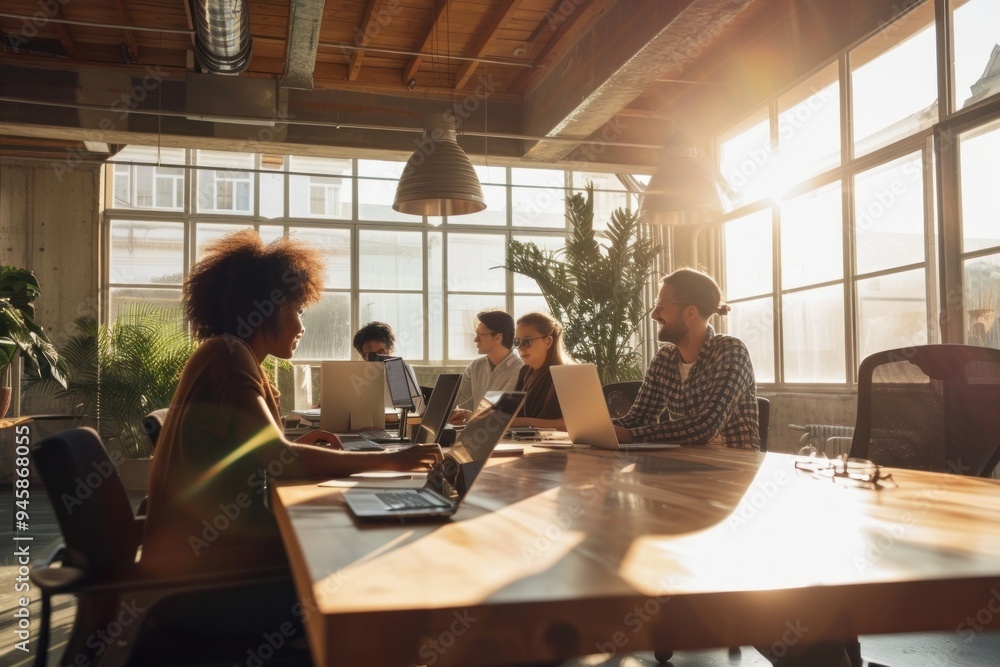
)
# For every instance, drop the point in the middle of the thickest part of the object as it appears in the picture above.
(118, 374)
(594, 289)
(18, 330)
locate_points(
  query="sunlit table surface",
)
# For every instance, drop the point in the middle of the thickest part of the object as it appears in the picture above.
(570, 552)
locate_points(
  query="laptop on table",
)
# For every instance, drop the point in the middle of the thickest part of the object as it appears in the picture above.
(450, 480)
(585, 411)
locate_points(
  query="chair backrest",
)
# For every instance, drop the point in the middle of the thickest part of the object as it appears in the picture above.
(763, 420)
(152, 424)
(930, 407)
(89, 501)
(620, 396)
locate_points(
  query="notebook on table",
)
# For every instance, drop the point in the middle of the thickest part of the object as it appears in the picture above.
(585, 411)
(450, 480)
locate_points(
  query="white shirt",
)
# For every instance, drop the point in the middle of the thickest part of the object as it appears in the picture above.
(479, 378)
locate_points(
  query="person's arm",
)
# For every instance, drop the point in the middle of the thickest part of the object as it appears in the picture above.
(463, 401)
(651, 399)
(730, 375)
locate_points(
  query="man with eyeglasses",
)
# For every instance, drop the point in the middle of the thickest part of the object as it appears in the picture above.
(495, 371)
(700, 387)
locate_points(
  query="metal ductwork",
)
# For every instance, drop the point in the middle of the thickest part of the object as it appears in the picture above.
(222, 40)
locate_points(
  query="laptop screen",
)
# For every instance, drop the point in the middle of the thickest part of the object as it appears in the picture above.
(453, 477)
(438, 408)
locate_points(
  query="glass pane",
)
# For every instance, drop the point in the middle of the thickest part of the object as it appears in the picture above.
(609, 194)
(404, 313)
(327, 194)
(753, 323)
(982, 301)
(377, 188)
(979, 166)
(524, 284)
(121, 297)
(149, 186)
(207, 232)
(813, 330)
(889, 214)
(391, 260)
(462, 311)
(977, 33)
(541, 206)
(472, 262)
(749, 269)
(894, 81)
(147, 252)
(435, 296)
(746, 158)
(272, 194)
(328, 329)
(812, 238)
(493, 180)
(892, 312)
(336, 247)
(271, 232)
(809, 129)
(529, 304)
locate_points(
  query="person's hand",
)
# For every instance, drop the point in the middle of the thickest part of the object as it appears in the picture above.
(624, 435)
(460, 416)
(417, 457)
(320, 438)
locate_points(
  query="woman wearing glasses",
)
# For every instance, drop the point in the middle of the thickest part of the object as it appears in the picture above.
(538, 339)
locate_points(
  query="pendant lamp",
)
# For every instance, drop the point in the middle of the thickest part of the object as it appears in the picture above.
(439, 179)
(684, 182)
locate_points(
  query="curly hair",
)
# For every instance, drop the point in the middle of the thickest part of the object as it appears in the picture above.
(241, 283)
(379, 331)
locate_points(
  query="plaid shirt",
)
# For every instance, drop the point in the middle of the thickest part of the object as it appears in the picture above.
(718, 399)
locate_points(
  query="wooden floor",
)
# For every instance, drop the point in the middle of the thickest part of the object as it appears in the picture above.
(943, 649)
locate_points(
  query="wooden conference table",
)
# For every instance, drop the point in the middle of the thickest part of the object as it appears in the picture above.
(569, 552)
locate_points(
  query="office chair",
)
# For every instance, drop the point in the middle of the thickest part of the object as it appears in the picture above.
(98, 561)
(930, 407)
(152, 424)
(763, 420)
(620, 396)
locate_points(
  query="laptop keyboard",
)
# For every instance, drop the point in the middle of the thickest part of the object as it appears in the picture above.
(396, 500)
(355, 443)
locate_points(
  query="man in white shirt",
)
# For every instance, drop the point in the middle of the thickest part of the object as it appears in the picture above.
(496, 371)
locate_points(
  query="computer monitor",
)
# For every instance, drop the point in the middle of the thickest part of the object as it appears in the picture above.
(353, 395)
(398, 380)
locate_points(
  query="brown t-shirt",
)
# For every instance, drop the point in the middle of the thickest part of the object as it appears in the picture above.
(206, 488)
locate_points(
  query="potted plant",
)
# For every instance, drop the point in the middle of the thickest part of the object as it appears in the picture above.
(118, 374)
(20, 333)
(593, 288)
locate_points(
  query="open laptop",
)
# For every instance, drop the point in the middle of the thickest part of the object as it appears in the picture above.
(585, 411)
(449, 481)
(438, 408)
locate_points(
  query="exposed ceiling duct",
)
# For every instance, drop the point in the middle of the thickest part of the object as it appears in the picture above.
(222, 35)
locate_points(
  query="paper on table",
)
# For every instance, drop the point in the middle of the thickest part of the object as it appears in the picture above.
(387, 480)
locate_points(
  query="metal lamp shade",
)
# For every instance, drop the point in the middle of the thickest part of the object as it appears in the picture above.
(439, 178)
(682, 183)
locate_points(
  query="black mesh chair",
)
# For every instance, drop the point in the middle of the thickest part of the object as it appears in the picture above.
(763, 420)
(620, 396)
(930, 407)
(98, 561)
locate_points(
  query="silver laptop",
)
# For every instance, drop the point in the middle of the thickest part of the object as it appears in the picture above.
(449, 481)
(588, 421)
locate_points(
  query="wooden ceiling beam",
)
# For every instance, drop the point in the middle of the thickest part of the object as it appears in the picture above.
(627, 49)
(130, 44)
(570, 26)
(65, 38)
(484, 40)
(362, 38)
(410, 71)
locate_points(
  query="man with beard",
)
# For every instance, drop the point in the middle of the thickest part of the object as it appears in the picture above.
(700, 387)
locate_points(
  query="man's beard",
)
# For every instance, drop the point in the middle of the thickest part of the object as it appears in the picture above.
(674, 332)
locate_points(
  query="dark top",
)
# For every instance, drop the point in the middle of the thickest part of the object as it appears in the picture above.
(541, 401)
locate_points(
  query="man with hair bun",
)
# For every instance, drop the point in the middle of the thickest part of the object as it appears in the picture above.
(700, 387)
